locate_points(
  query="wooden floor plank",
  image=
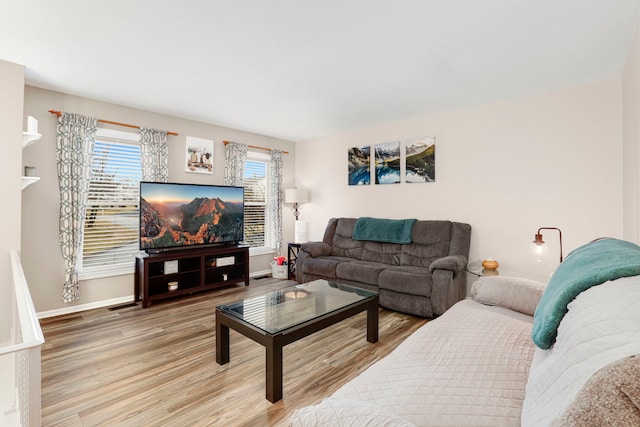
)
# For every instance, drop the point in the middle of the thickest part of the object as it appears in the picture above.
(156, 366)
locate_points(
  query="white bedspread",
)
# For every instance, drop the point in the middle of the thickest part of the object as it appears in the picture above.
(468, 367)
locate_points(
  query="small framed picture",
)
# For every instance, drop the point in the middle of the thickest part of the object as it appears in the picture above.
(199, 155)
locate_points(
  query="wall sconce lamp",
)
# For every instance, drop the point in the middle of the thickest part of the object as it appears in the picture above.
(538, 247)
(297, 196)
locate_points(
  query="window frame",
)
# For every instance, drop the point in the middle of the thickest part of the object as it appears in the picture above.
(109, 270)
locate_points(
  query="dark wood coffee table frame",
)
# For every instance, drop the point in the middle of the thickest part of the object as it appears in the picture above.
(275, 342)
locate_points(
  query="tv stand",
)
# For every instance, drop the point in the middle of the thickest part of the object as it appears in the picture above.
(194, 270)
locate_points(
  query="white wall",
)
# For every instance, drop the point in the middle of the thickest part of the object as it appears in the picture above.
(506, 168)
(41, 254)
(11, 122)
(631, 141)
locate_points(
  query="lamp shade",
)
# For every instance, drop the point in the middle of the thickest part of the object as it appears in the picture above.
(538, 248)
(295, 195)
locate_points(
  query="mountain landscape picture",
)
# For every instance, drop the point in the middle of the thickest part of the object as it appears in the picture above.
(387, 162)
(420, 157)
(173, 215)
(359, 159)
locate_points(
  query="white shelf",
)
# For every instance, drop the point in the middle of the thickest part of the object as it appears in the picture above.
(28, 180)
(30, 138)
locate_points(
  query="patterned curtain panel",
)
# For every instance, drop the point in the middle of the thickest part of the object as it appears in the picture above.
(154, 152)
(235, 156)
(74, 154)
(275, 195)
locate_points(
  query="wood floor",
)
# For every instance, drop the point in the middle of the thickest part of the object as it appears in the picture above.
(156, 366)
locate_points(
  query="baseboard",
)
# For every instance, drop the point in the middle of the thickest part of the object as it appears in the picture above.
(110, 302)
(262, 273)
(85, 307)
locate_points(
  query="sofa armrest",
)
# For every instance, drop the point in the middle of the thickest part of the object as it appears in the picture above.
(514, 293)
(316, 249)
(453, 263)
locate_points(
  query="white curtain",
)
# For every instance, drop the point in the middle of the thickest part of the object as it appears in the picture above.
(276, 196)
(74, 155)
(235, 157)
(154, 152)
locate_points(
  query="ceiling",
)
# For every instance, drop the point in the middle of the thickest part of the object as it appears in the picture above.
(298, 70)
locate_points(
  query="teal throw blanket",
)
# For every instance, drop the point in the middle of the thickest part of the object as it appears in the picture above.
(383, 230)
(587, 266)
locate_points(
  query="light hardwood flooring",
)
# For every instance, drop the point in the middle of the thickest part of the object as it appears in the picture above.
(156, 366)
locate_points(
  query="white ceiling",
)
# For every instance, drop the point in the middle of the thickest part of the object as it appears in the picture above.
(299, 69)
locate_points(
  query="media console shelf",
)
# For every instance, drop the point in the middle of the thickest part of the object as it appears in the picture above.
(194, 270)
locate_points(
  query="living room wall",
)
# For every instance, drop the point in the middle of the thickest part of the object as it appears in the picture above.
(41, 255)
(507, 168)
(631, 140)
(11, 82)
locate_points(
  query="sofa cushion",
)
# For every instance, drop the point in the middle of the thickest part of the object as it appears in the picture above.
(385, 253)
(323, 266)
(406, 280)
(432, 232)
(360, 271)
(342, 243)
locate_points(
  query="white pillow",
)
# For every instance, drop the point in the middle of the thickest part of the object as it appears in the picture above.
(515, 293)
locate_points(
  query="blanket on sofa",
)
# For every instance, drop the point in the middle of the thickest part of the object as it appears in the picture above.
(468, 367)
(589, 265)
(384, 230)
(600, 328)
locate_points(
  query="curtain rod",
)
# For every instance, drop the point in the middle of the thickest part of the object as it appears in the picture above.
(58, 113)
(255, 146)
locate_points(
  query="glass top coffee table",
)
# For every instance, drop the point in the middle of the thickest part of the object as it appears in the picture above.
(281, 317)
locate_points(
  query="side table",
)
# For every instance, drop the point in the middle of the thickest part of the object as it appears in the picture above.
(292, 255)
(476, 269)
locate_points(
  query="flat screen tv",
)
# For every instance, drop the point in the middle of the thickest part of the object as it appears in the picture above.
(174, 216)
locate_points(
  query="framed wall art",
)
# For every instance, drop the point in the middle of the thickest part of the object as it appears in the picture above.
(420, 160)
(387, 162)
(199, 155)
(359, 165)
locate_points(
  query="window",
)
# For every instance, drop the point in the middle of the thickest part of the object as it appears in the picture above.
(111, 223)
(257, 224)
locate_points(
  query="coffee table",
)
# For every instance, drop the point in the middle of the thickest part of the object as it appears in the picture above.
(281, 317)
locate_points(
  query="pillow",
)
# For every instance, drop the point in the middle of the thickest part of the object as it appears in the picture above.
(611, 397)
(515, 293)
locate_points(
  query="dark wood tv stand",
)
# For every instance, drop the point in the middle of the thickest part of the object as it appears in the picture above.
(195, 270)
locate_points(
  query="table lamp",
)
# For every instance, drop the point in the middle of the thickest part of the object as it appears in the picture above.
(538, 247)
(297, 196)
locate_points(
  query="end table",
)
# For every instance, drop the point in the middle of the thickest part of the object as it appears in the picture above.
(292, 255)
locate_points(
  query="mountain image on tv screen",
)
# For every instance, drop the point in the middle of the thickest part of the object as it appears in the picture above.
(173, 215)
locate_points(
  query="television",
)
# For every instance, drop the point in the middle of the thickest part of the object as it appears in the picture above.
(175, 216)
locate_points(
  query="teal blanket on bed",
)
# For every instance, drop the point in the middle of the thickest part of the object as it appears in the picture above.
(587, 266)
(383, 230)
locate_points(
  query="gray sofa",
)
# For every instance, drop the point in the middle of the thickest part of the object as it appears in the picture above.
(424, 277)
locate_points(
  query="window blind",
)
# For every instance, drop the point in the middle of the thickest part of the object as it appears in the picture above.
(111, 223)
(255, 202)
